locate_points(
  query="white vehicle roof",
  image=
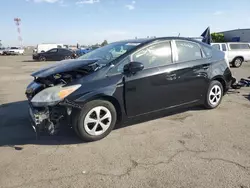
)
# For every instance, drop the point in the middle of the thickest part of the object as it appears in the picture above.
(230, 43)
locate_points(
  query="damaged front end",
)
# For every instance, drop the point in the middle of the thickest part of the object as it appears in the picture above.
(47, 96)
(48, 119)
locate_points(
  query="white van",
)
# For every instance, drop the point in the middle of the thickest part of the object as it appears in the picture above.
(45, 47)
(236, 52)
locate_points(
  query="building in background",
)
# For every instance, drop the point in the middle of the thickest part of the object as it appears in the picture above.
(237, 35)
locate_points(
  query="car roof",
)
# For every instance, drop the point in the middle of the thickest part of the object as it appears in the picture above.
(59, 48)
(147, 40)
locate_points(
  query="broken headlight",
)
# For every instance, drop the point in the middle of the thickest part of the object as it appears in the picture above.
(53, 95)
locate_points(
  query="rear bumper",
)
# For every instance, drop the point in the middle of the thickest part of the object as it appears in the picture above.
(228, 78)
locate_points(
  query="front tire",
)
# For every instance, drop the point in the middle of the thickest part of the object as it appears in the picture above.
(96, 120)
(42, 58)
(214, 95)
(237, 62)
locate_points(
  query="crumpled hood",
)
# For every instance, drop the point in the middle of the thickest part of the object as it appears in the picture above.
(63, 66)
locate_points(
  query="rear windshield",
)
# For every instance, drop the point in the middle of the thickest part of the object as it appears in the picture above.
(239, 46)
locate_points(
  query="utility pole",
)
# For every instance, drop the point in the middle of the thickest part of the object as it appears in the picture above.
(18, 23)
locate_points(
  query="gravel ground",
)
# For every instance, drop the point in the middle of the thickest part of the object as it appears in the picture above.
(192, 148)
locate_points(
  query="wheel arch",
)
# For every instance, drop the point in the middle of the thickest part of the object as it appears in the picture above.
(109, 98)
(116, 104)
(238, 57)
(222, 81)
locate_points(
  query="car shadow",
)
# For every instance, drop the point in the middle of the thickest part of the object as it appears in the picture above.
(232, 91)
(15, 127)
(28, 61)
(158, 115)
(247, 96)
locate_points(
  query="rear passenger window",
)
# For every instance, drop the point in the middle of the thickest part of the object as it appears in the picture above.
(239, 46)
(155, 55)
(188, 51)
(223, 47)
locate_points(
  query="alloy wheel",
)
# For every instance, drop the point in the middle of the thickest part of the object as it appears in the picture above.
(42, 58)
(215, 95)
(97, 120)
(238, 62)
(67, 57)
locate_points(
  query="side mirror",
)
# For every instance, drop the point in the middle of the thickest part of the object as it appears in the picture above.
(133, 67)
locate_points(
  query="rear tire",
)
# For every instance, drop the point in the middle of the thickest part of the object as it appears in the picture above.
(67, 57)
(237, 62)
(95, 121)
(214, 95)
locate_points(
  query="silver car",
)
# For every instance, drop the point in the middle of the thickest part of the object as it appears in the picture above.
(235, 52)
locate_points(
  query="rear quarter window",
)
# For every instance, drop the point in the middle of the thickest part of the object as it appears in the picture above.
(207, 51)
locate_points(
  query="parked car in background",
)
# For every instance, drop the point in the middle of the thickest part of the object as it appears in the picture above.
(14, 51)
(55, 54)
(236, 52)
(83, 51)
(45, 47)
(2, 51)
(126, 79)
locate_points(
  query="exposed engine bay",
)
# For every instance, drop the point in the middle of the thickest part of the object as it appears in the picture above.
(47, 116)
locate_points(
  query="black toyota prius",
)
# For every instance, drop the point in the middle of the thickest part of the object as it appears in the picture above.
(126, 79)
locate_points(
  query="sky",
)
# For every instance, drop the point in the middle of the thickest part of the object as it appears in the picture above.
(91, 21)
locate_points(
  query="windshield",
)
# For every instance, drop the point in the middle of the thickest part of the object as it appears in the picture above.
(110, 52)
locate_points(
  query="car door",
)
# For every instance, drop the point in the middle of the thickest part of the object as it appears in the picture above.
(224, 49)
(193, 67)
(51, 54)
(151, 89)
(61, 54)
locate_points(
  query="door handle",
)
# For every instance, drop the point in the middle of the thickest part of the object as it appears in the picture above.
(171, 77)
